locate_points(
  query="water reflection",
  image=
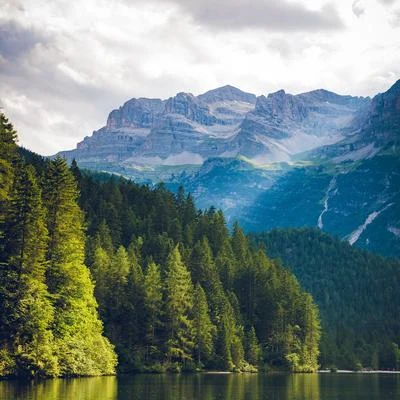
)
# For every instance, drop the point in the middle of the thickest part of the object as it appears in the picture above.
(61, 389)
(210, 387)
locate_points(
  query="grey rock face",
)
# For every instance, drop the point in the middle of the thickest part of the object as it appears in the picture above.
(282, 125)
(374, 130)
(135, 113)
(224, 122)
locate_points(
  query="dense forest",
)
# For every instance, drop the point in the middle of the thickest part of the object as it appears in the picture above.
(89, 262)
(357, 293)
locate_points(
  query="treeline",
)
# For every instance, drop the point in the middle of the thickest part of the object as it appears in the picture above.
(174, 289)
(357, 293)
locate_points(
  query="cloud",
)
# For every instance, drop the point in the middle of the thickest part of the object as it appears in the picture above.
(387, 2)
(16, 40)
(358, 8)
(270, 15)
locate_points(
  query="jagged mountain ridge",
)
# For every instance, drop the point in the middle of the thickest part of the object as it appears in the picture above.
(224, 122)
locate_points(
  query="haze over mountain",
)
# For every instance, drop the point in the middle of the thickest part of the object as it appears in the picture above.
(312, 159)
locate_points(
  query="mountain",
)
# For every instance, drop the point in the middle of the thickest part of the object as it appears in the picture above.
(224, 122)
(314, 159)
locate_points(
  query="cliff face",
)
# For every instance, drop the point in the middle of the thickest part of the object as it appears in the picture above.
(224, 122)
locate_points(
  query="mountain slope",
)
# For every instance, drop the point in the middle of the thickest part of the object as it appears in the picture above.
(359, 202)
(356, 291)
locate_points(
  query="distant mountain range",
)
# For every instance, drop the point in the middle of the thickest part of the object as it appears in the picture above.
(312, 159)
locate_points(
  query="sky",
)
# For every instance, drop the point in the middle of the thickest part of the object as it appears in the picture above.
(64, 65)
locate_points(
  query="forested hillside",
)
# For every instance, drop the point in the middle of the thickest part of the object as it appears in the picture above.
(357, 293)
(172, 287)
(195, 295)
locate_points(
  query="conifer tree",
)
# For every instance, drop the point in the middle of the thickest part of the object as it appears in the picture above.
(8, 155)
(135, 329)
(82, 350)
(204, 330)
(311, 333)
(100, 269)
(178, 306)
(253, 349)
(225, 264)
(25, 309)
(153, 305)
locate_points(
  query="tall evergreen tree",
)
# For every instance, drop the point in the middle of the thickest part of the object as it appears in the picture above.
(204, 330)
(8, 156)
(82, 350)
(252, 347)
(178, 306)
(153, 307)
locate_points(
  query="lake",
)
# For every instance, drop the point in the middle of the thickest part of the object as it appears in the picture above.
(324, 386)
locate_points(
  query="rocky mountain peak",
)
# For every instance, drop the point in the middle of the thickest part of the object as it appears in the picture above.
(281, 105)
(386, 106)
(190, 107)
(135, 113)
(227, 93)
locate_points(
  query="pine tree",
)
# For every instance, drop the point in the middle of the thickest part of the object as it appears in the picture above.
(26, 312)
(8, 156)
(134, 327)
(225, 264)
(100, 270)
(202, 264)
(204, 330)
(311, 330)
(82, 350)
(253, 348)
(178, 306)
(153, 306)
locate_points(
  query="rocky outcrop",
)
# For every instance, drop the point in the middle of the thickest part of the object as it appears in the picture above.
(227, 93)
(282, 124)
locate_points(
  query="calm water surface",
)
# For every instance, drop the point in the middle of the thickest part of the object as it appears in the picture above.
(210, 387)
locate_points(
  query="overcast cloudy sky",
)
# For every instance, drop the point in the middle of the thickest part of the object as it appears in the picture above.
(65, 64)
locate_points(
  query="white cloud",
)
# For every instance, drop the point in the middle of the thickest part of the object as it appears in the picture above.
(64, 65)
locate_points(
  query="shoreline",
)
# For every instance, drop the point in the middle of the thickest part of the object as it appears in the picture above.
(349, 371)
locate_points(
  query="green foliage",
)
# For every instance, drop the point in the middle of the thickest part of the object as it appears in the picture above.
(356, 292)
(77, 328)
(204, 330)
(26, 311)
(242, 287)
(178, 307)
(153, 297)
(252, 347)
(8, 155)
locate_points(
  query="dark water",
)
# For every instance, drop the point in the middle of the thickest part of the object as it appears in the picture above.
(210, 387)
